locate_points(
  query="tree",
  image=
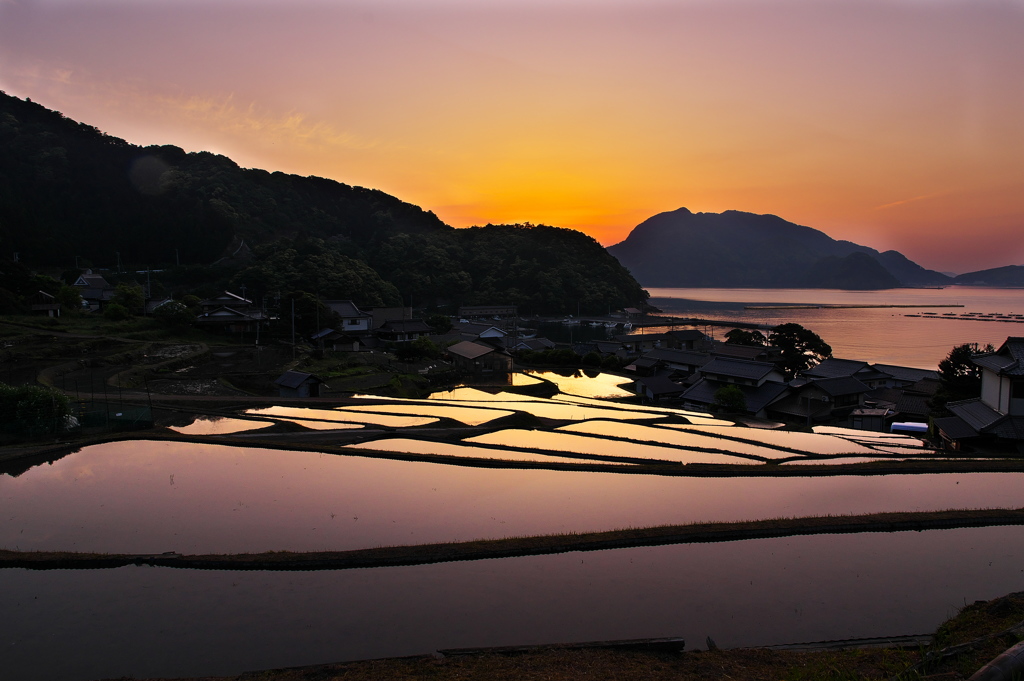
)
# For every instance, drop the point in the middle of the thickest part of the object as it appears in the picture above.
(730, 398)
(801, 348)
(959, 375)
(130, 296)
(421, 348)
(745, 337)
(174, 314)
(440, 323)
(69, 298)
(115, 312)
(33, 408)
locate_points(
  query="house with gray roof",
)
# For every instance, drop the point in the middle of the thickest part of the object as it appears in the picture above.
(403, 330)
(998, 415)
(94, 289)
(822, 400)
(353, 320)
(670, 362)
(658, 388)
(760, 382)
(478, 358)
(298, 384)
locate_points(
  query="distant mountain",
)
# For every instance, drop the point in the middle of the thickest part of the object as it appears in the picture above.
(736, 249)
(1009, 276)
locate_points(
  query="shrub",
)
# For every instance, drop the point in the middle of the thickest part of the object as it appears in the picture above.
(115, 312)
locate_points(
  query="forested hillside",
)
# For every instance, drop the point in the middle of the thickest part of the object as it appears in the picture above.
(69, 192)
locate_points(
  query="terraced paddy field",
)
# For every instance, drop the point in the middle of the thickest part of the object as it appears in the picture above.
(464, 468)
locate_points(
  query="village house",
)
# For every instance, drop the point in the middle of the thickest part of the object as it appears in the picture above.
(226, 299)
(94, 289)
(45, 304)
(637, 343)
(298, 384)
(487, 311)
(819, 400)
(353, 320)
(231, 313)
(656, 388)
(664, 362)
(687, 339)
(760, 382)
(403, 330)
(477, 358)
(998, 415)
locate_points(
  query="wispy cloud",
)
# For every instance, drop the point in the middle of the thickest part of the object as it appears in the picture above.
(249, 120)
(911, 200)
(221, 114)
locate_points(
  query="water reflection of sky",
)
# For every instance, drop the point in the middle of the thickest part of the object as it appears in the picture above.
(578, 383)
(318, 418)
(219, 426)
(882, 335)
(579, 444)
(408, 446)
(73, 624)
(471, 416)
(139, 496)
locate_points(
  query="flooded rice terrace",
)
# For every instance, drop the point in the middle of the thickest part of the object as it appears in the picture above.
(158, 496)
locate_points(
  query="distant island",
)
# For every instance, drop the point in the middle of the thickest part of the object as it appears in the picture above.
(734, 249)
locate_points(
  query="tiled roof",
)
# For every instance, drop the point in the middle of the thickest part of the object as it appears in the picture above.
(976, 413)
(703, 392)
(833, 367)
(996, 363)
(912, 403)
(738, 368)
(470, 350)
(1011, 427)
(687, 335)
(1008, 359)
(678, 356)
(660, 385)
(841, 385)
(345, 309)
(926, 386)
(293, 379)
(405, 326)
(906, 373)
(739, 351)
(955, 428)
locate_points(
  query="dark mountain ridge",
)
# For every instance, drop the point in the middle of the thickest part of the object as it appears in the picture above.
(1010, 276)
(71, 195)
(737, 249)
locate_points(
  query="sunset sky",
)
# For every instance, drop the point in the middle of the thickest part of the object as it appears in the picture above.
(893, 123)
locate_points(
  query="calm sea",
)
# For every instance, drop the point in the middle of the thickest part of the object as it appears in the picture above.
(885, 335)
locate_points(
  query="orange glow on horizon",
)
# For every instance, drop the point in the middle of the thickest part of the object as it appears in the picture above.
(896, 125)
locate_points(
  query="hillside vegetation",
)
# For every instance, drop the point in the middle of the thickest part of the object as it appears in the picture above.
(69, 192)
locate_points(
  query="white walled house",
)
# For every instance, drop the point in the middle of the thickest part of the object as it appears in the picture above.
(999, 412)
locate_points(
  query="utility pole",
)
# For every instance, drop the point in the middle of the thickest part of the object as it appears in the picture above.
(293, 328)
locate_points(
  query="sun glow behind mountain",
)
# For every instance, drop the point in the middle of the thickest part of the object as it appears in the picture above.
(895, 124)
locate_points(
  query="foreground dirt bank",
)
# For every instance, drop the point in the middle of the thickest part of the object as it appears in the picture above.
(523, 546)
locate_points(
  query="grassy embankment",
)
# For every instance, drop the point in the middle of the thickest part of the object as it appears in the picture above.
(525, 546)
